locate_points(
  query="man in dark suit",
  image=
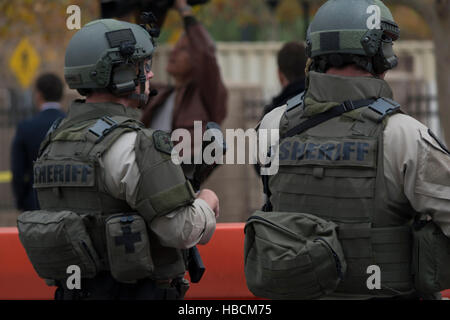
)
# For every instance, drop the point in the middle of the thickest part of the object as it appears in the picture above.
(291, 60)
(29, 135)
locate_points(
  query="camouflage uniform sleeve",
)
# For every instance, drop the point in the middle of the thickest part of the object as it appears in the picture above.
(417, 167)
(183, 222)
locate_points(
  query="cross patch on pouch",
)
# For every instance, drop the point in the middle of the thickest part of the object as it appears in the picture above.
(128, 239)
(162, 141)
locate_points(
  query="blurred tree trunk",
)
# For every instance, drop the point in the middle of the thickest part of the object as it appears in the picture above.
(436, 14)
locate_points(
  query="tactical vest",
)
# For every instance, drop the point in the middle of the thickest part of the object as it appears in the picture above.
(335, 171)
(67, 177)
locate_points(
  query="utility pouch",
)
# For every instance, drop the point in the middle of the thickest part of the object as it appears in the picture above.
(54, 241)
(128, 248)
(431, 258)
(196, 267)
(289, 255)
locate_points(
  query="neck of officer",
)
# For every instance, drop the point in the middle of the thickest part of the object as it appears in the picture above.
(108, 97)
(352, 71)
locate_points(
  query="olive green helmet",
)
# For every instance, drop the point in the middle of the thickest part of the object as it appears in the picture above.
(110, 54)
(353, 31)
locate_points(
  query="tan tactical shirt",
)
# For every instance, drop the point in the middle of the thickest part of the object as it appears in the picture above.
(182, 228)
(417, 168)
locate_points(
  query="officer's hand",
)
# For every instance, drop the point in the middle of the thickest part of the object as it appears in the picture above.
(183, 8)
(179, 4)
(211, 199)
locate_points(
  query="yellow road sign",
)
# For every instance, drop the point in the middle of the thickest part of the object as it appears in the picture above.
(24, 62)
(5, 176)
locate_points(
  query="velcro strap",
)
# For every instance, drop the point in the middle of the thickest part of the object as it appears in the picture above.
(391, 235)
(379, 235)
(357, 249)
(179, 195)
(394, 256)
(354, 231)
(396, 276)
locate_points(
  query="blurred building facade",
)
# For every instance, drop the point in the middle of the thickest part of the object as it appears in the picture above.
(249, 70)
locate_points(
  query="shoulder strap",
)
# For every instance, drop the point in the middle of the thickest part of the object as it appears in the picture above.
(104, 127)
(382, 106)
(47, 138)
(272, 121)
(295, 101)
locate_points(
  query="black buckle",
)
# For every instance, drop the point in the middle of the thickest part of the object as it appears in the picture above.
(102, 127)
(384, 106)
(348, 105)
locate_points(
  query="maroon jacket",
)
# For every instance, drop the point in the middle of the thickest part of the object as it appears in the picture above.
(204, 97)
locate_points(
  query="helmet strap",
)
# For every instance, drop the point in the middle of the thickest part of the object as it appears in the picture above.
(385, 59)
(123, 80)
(142, 98)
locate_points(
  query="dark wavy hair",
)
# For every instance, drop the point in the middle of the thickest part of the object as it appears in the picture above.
(291, 60)
(50, 86)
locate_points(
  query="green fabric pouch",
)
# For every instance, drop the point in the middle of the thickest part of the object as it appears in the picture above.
(431, 258)
(54, 241)
(128, 248)
(290, 255)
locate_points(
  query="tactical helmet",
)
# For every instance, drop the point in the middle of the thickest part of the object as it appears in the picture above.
(105, 53)
(353, 31)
